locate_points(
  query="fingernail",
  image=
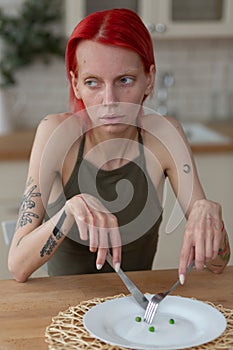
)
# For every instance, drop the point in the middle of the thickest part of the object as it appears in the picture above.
(181, 277)
(99, 266)
(117, 267)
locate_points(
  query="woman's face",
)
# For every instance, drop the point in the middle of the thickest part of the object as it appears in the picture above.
(111, 81)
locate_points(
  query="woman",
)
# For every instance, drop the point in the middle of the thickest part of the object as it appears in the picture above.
(96, 174)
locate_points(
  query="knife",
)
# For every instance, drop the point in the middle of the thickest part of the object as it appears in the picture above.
(136, 293)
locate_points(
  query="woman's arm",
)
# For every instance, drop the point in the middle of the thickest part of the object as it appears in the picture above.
(35, 242)
(31, 233)
(203, 237)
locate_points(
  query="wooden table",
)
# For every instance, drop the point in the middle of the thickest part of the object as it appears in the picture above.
(26, 309)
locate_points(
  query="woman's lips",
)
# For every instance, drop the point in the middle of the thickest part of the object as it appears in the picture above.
(112, 119)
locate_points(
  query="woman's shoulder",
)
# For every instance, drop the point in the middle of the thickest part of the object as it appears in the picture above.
(56, 133)
(52, 121)
(165, 138)
(59, 125)
(158, 128)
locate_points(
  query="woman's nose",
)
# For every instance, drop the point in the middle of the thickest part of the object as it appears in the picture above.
(109, 96)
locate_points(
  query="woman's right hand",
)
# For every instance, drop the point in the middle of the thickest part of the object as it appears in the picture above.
(98, 225)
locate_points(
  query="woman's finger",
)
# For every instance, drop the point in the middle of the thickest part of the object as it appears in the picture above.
(208, 240)
(217, 240)
(102, 248)
(93, 238)
(82, 227)
(185, 253)
(103, 238)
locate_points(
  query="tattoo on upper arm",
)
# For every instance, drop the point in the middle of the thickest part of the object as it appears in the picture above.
(54, 237)
(26, 213)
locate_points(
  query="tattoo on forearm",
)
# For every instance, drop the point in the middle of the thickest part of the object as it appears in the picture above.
(26, 213)
(57, 228)
(56, 236)
(48, 247)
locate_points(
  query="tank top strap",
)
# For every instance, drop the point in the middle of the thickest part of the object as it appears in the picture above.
(81, 148)
(140, 140)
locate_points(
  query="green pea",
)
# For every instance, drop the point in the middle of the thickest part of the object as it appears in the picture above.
(138, 319)
(171, 321)
(152, 329)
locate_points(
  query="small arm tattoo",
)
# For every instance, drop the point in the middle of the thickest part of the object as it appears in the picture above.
(56, 236)
(57, 228)
(186, 168)
(224, 252)
(218, 264)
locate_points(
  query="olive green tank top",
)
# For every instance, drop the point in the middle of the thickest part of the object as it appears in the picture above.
(128, 193)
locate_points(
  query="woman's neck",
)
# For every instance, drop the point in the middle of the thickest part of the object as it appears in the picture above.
(110, 151)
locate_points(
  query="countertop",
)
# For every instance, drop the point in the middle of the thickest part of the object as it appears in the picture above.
(26, 309)
(17, 145)
(225, 128)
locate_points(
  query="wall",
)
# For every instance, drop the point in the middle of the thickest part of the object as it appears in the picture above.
(203, 74)
(41, 88)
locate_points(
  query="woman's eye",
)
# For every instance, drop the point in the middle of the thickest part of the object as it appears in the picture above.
(127, 80)
(91, 83)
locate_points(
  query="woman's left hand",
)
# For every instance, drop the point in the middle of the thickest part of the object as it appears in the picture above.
(202, 236)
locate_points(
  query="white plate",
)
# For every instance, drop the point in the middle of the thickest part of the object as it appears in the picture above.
(114, 322)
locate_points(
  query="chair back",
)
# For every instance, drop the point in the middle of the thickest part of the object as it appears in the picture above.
(8, 229)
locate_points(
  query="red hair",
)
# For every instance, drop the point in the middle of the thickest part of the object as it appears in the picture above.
(120, 27)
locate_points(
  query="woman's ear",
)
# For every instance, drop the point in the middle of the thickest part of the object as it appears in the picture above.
(74, 85)
(151, 80)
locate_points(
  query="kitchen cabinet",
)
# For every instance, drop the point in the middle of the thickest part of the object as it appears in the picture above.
(189, 19)
(165, 18)
(215, 172)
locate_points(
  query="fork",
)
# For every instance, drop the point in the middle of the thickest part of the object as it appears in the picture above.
(157, 298)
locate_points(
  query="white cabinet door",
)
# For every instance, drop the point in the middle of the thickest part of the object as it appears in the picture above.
(164, 19)
(193, 18)
(75, 10)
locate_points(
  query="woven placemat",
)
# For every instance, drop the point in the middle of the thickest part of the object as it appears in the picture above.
(67, 332)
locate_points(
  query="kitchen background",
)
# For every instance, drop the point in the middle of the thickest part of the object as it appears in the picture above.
(194, 83)
(201, 70)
